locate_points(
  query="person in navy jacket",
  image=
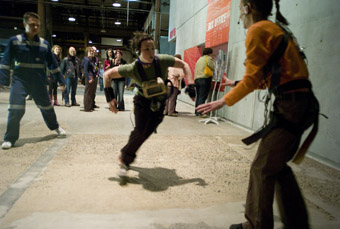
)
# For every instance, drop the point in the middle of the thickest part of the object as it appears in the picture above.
(29, 55)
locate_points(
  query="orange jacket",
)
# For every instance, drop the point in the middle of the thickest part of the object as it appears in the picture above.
(262, 39)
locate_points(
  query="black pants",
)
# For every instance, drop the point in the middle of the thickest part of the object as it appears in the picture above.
(203, 86)
(146, 121)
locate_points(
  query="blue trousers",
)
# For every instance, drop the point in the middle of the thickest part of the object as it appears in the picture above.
(71, 86)
(118, 91)
(17, 103)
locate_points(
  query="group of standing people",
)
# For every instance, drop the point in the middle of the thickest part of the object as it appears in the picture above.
(70, 67)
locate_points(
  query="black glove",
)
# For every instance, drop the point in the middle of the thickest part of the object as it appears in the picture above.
(191, 90)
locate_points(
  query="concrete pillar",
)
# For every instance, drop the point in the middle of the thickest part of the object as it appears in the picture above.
(49, 24)
(41, 12)
(157, 25)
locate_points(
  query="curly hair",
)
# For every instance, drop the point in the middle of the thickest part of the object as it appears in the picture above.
(61, 51)
(136, 41)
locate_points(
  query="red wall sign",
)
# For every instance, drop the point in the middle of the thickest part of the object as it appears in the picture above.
(191, 56)
(218, 18)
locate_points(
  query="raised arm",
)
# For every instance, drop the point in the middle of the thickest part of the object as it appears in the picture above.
(186, 69)
(110, 74)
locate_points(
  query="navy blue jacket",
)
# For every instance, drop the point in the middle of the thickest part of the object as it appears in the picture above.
(29, 61)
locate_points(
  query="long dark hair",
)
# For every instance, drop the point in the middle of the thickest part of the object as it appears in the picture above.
(264, 7)
(107, 54)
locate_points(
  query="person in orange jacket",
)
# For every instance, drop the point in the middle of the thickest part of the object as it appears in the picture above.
(295, 109)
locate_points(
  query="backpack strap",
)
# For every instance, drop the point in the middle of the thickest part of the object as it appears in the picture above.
(273, 64)
(141, 71)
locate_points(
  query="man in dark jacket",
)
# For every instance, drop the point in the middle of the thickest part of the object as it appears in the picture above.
(29, 55)
(70, 68)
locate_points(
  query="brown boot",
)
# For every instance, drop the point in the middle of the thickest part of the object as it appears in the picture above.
(56, 100)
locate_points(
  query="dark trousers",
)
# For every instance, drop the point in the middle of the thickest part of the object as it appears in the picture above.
(52, 88)
(17, 103)
(269, 171)
(71, 86)
(170, 106)
(118, 91)
(203, 86)
(146, 122)
(89, 94)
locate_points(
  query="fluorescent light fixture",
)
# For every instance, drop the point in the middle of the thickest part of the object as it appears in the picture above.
(119, 40)
(103, 30)
(116, 4)
(15, 28)
(71, 19)
(90, 42)
(54, 0)
(118, 23)
(53, 35)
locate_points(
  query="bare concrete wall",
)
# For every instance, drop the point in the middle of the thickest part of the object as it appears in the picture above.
(315, 24)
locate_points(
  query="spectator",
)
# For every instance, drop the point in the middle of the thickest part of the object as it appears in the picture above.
(53, 86)
(70, 67)
(175, 75)
(118, 85)
(89, 65)
(202, 80)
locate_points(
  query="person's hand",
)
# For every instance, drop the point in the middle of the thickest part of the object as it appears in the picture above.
(113, 106)
(62, 88)
(207, 107)
(229, 82)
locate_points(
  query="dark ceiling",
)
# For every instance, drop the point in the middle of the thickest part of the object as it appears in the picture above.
(94, 18)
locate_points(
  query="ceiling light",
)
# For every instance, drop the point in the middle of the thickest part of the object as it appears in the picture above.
(119, 40)
(116, 4)
(103, 30)
(55, 0)
(90, 42)
(54, 35)
(15, 28)
(118, 23)
(71, 19)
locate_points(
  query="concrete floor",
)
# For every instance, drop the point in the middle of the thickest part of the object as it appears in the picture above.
(188, 175)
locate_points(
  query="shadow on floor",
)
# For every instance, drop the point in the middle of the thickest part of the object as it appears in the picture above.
(23, 141)
(157, 179)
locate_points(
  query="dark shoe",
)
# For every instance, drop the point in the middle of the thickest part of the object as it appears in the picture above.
(68, 105)
(173, 114)
(236, 226)
(76, 104)
(95, 106)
